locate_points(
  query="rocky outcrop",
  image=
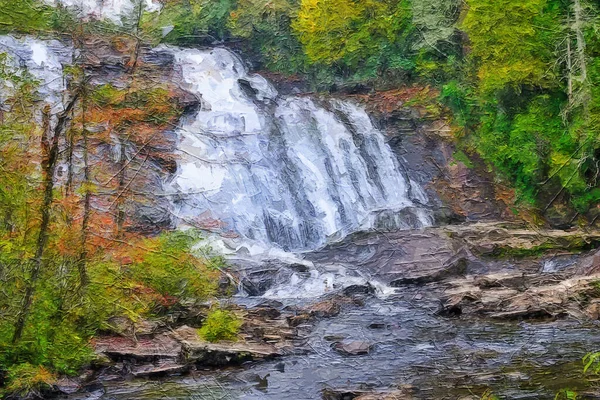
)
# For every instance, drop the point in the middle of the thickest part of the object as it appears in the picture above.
(522, 297)
(460, 187)
(429, 255)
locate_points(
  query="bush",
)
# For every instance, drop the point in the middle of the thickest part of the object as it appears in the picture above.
(26, 378)
(220, 325)
(168, 265)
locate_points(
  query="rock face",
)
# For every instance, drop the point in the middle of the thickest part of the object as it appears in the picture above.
(265, 334)
(460, 187)
(429, 255)
(521, 297)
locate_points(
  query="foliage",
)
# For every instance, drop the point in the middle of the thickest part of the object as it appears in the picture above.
(128, 274)
(566, 394)
(26, 378)
(489, 395)
(364, 38)
(188, 21)
(266, 25)
(510, 41)
(591, 363)
(220, 325)
(168, 265)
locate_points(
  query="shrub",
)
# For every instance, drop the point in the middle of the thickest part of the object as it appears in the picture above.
(26, 378)
(220, 325)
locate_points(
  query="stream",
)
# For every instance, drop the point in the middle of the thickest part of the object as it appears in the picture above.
(438, 357)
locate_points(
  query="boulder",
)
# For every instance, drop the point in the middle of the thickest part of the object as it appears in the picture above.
(353, 348)
(160, 347)
(405, 393)
(199, 352)
(164, 368)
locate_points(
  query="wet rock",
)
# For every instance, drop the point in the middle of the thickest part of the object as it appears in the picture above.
(197, 351)
(297, 320)
(334, 338)
(159, 369)
(256, 283)
(67, 386)
(513, 281)
(264, 312)
(405, 393)
(359, 290)
(377, 325)
(353, 348)
(124, 326)
(324, 309)
(158, 348)
(455, 266)
(523, 314)
(501, 238)
(593, 310)
(538, 297)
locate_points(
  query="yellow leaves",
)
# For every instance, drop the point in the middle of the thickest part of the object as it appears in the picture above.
(26, 377)
(323, 27)
(510, 40)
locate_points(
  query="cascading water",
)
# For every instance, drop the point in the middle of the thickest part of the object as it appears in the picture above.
(43, 62)
(287, 172)
(292, 171)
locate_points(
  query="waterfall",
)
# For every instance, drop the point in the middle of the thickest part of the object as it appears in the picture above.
(43, 62)
(291, 171)
(294, 171)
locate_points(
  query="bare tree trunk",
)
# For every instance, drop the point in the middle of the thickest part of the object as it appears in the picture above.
(578, 26)
(120, 191)
(569, 64)
(83, 255)
(138, 42)
(50, 152)
(69, 183)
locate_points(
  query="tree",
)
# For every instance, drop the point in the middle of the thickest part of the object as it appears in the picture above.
(366, 34)
(512, 42)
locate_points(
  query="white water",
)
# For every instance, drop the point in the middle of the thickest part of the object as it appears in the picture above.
(279, 172)
(43, 61)
(113, 10)
(292, 171)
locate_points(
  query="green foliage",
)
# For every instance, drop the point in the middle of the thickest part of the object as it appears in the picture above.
(220, 325)
(26, 378)
(25, 16)
(566, 394)
(513, 41)
(168, 264)
(489, 395)
(591, 363)
(463, 158)
(363, 38)
(188, 21)
(266, 25)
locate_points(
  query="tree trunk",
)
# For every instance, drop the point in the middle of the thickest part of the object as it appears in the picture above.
(120, 191)
(83, 255)
(50, 152)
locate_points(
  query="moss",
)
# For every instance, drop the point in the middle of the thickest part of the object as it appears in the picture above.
(460, 156)
(573, 244)
(220, 325)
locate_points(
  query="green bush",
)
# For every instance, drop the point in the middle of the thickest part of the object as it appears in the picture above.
(26, 378)
(220, 325)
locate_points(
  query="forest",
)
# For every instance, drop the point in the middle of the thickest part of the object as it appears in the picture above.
(519, 81)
